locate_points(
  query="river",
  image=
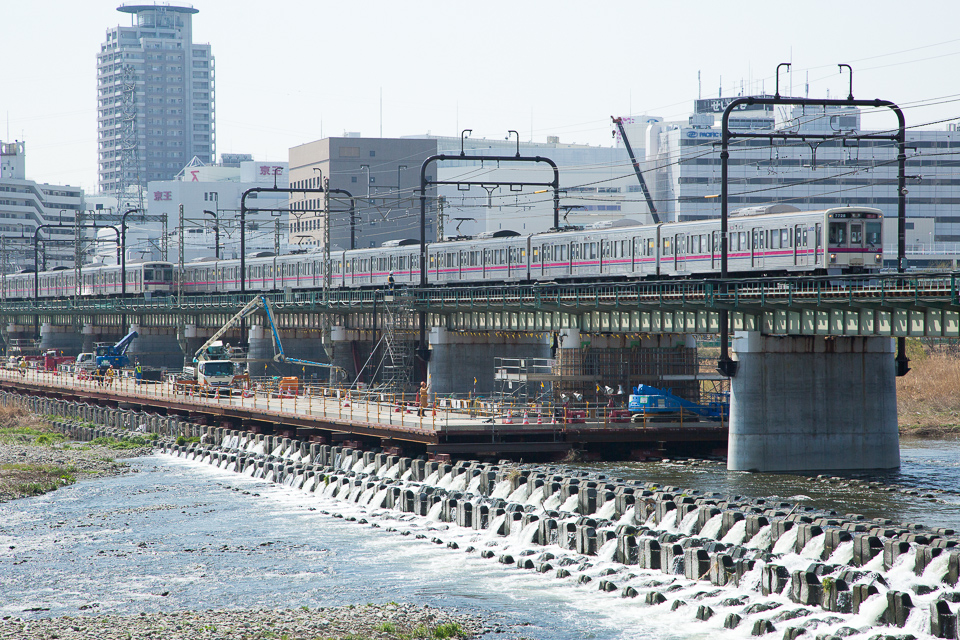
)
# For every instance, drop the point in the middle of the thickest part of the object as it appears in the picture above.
(179, 534)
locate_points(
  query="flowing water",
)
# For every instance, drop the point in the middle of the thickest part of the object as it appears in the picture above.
(929, 468)
(181, 534)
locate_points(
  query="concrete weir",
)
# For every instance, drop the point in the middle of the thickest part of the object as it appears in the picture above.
(813, 403)
(751, 562)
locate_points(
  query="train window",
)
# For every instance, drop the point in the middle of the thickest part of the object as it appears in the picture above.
(650, 243)
(775, 239)
(838, 234)
(873, 233)
(148, 274)
(667, 251)
(856, 234)
(785, 238)
(535, 254)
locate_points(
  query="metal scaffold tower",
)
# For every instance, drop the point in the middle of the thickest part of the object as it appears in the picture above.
(396, 362)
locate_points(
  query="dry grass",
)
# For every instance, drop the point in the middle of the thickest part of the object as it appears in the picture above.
(928, 397)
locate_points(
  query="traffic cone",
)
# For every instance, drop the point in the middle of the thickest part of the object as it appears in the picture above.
(539, 417)
(526, 418)
(508, 418)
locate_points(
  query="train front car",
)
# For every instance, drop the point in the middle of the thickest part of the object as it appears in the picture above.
(854, 240)
(157, 279)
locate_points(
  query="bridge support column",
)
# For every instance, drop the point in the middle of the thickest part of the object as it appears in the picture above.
(63, 339)
(811, 403)
(88, 338)
(156, 347)
(458, 358)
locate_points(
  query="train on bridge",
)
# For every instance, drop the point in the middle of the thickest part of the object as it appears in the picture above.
(778, 239)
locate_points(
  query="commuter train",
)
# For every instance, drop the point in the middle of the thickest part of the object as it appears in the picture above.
(779, 239)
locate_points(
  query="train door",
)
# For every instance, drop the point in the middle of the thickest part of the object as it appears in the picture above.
(679, 255)
(818, 244)
(756, 247)
(799, 250)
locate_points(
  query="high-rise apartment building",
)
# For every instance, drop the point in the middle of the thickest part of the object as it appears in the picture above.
(155, 98)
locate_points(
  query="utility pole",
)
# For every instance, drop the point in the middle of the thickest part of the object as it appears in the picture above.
(327, 275)
(276, 237)
(78, 256)
(164, 241)
(442, 200)
(180, 263)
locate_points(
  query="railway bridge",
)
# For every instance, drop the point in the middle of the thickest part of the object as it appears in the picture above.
(814, 388)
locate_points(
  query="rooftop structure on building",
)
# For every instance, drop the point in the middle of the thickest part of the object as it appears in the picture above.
(155, 99)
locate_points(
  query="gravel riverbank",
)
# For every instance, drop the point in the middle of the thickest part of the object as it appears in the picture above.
(376, 622)
(30, 469)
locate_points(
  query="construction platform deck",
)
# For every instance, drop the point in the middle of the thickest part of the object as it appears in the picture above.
(458, 429)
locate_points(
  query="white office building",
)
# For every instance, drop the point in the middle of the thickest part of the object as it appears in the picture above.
(685, 158)
(210, 195)
(27, 204)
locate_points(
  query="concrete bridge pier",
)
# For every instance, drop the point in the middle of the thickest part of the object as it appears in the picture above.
(812, 403)
(155, 347)
(64, 339)
(459, 357)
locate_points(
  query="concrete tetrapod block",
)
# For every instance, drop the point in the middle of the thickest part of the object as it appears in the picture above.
(836, 596)
(943, 621)
(722, 570)
(865, 548)
(773, 579)
(649, 555)
(671, 559)
(899, 606)
(834, 538)
(696, 564)
(893, 549)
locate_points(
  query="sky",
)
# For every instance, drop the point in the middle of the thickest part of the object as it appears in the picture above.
(293, 71)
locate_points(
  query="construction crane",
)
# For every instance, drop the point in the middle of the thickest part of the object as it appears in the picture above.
(636, 169)
(214, 349)
(115, 355)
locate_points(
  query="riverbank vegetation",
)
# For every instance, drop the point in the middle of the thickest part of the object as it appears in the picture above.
(928, 397)
(35, 458)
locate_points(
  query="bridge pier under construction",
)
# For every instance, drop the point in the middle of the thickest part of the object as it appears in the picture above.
(813, 403)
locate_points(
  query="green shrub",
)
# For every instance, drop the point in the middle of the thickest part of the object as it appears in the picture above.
(448, 630)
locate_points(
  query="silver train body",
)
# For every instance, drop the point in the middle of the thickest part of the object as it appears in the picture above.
(831, 241)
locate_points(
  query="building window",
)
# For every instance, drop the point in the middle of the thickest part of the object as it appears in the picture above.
(373, 154)
(353, 178)
(349, 152)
